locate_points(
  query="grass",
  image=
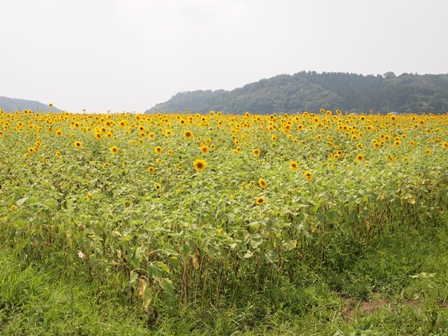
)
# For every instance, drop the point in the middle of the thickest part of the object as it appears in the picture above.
(397, 287)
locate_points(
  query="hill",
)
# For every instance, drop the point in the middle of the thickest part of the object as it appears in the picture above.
(13, 104)
(311, 91)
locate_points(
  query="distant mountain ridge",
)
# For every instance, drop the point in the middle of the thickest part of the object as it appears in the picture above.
(311, 91)
(14, 104)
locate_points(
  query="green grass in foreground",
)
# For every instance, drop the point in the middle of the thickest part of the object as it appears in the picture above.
(398, 287)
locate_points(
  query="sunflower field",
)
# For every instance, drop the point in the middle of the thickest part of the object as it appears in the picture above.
(214, 210)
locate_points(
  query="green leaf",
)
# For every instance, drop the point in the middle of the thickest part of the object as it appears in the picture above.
(163, 267)
(254, 243)
(20, 223)
(147, 297)
(169, 251)
(289, 245)
(269, 257)
(154, 272)
(137, 256)
(186, 249)
(167, 286)
(133, 278)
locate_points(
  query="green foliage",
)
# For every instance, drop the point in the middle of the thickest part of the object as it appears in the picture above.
(14, 104)
(310, 91)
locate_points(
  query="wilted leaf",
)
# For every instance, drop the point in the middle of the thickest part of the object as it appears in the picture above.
(248, 254)
(21, 201)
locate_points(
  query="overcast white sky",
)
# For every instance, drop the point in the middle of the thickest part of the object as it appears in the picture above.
(128, 55)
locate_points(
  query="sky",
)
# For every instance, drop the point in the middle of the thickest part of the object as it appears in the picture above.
(128, 55)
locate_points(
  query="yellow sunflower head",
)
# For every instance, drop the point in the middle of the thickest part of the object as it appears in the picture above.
(200, 165)
(188, 134)
(308, 175)
(158, 150)
(114, 150)
(204, 149)
(259, 200)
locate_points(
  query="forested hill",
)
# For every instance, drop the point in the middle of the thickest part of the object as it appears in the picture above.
(311, 91)
(13, 104)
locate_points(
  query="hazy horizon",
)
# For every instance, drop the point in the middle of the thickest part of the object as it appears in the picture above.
(128, 55)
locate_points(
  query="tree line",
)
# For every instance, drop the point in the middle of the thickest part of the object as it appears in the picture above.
(310, 91)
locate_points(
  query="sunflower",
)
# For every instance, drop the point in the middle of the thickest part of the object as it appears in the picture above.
(58, 132)
(31, 149)
(445, 144)
(200, 165)
(259, 200)
(106, 164)
(427, 151)
(168, 132)
(308, 175)
(360, 157)
(262, 183)
(151, 169)
(158, 150)
(188, 134)
(293, 165)
(256, 152)
(114, 150)
(157, 186)
(58, 153)
(98, 136)
(89, 196)
(77, 144)
(204, 149)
